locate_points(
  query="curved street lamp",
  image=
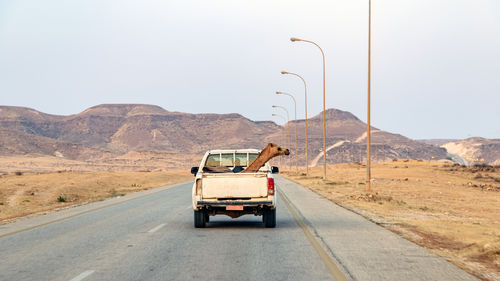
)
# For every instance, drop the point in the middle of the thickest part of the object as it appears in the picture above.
(368, 129)
(307, 139)
(282, 133)
(295, 105)
(287, 129)
(324, 97)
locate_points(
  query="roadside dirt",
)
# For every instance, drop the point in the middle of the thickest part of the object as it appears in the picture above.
(451, 210)
(23, 194)
(132, 161)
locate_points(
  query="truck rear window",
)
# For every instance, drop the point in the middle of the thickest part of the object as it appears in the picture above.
(230, 159)
(227, 160)
(240, 159)
(213, 160)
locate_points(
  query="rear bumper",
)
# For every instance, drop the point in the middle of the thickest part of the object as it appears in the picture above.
(239, 202)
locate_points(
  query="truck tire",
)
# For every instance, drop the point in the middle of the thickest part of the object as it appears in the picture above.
(199, 219)
(269, 218)
(207, 217)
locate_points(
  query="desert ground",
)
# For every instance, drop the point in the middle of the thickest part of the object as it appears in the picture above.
(451, 210)
(23, 194)
(131, 161)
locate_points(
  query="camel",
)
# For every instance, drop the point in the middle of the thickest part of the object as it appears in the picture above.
(271, 150)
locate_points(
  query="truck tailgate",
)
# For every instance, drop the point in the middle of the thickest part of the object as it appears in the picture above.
(234, 186)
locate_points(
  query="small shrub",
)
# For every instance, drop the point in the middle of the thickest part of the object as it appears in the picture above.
(61, 199)
(330, 182)
(18, 173)
(424, 208)
(114, 193)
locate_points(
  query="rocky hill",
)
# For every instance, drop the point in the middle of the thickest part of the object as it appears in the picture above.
(118, 129)
(346, 141)
(438, 142)
(476, 150)
(112, 130)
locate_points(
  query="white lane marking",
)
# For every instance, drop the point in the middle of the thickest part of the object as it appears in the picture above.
(83, 275)
(156, 228)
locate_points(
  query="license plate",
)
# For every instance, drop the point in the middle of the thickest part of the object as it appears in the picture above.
(234, 207)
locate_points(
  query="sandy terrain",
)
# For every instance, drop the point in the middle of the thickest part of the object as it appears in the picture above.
(451, 210)
(132, 161)
(29, 193)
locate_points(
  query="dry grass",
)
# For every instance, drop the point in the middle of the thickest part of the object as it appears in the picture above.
(132, 161)
(28, 193)
(451, 210)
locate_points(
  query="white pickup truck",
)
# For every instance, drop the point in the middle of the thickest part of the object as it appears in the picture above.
(219, 188)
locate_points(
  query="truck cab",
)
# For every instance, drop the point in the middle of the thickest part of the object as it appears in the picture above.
(220, 189)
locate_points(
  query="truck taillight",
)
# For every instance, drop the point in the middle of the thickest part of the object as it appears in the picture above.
(270, 186)
(198, 186)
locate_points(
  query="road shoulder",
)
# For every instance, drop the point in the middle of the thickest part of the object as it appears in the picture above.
(364, 250)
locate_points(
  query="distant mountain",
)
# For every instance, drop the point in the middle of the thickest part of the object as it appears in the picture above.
(346, 141)
(118, 129)
(476, 150)
(107, 131)
(438, 142)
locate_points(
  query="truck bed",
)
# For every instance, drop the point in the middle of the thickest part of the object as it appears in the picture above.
(231, 185)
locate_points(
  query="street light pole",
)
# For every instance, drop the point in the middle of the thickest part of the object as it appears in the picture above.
(368, 129)
(324, 106)
(282, 134)
(307, 139)
(296, 151)
(287, 129)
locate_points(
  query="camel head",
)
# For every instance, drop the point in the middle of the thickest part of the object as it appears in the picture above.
(277, 150)
(271, 150)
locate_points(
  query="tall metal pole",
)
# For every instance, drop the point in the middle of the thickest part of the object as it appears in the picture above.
(307, 139)
(287, 129)
(281, 143)
(368, 131)
(296, 150)
(282, 133)
(324, 102)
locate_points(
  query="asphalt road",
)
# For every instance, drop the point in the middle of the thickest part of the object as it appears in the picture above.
(150, 236)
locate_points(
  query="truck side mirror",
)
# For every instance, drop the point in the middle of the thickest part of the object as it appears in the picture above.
(275, 170)
(194, 170)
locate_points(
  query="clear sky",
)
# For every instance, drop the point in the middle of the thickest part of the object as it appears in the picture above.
(435, 63)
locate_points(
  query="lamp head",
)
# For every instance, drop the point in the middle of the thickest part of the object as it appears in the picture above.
(279, 93)
(284, 72)
(274, 106)
(293, 39)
